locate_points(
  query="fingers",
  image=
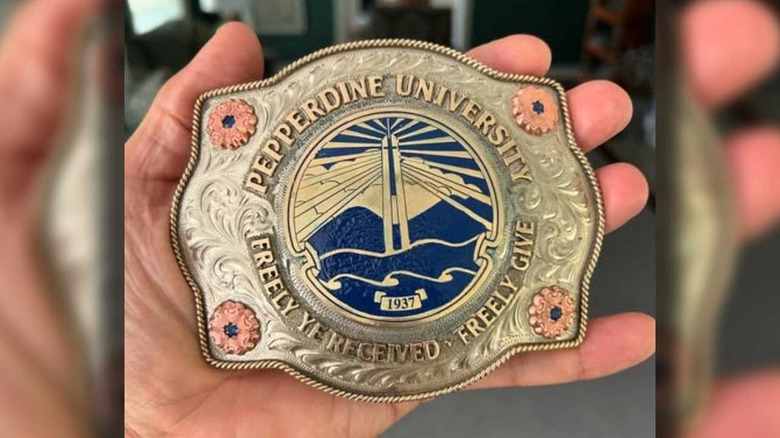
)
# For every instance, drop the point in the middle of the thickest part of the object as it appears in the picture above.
(624, 190)
(744, 406)
(613, 344)
(38, 59)
(160, 147)
(754, 158)
(519, 54)
(727, 46)
(599, 110)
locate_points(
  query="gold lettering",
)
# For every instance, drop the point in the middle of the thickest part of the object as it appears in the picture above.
(484, 122)
(403, 87)
(432, 349)
(358, 88)
(417, 351)
(256, 182)
(269, 273)
(524, 227)
(507, 282)
(473, 327)
(330, 99)
(306, 322)
(277, 300)
(312, 109)
(349, 347)
(273, 149)
(375, 86)
(263, 258)
(440, 95)
(335, 341)
(461, 332)
(289, 306)
(316, 332)
(283, 133)
(379, 352)
(273, 285)
(485, 317)
(297, 121)
(501, 297)
(265, 165)
(261, 243)
(364, 352)
(455, 101)
(515, 156)
(470, 110)
(523, 173)
(521, 249)
(494, 306)
(425, 88)
(498, 135)
(343, 90)
(401, 352)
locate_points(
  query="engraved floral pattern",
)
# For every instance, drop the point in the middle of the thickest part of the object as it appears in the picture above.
(234, 328)
(231, 123)
(551, 312)
(559, 201)
(535, 110)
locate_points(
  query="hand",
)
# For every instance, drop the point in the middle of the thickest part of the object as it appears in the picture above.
(40, 364)
(171, 389)
(728, 47)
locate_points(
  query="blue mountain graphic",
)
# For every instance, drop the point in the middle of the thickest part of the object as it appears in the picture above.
(428, 259)
(357, 228)
(444, 222)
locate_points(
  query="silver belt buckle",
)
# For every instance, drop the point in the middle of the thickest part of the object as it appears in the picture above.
(386, 220)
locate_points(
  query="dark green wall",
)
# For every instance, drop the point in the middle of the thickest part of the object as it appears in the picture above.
(560, 23)
(319, 35)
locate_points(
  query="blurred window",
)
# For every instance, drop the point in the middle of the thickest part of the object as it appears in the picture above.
(150, 14)
(211, 6)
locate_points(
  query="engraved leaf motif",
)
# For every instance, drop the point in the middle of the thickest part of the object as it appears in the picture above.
(218, 216)
(218, 222)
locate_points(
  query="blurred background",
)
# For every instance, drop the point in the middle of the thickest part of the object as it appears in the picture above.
(81, 216)
(607, 39)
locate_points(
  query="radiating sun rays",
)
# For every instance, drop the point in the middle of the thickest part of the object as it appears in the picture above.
(395, 166)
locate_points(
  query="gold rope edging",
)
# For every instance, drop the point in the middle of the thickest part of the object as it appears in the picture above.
(399, 43)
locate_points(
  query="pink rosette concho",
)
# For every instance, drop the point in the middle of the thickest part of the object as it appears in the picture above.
(234, 328)
(535, 110)
(231, 124)
(551, 312)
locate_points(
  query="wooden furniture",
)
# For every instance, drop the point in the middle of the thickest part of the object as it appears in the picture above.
(613, 28)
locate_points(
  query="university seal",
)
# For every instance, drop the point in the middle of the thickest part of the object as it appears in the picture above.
(386, 220)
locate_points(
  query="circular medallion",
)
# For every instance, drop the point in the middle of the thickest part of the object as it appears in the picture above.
(231, 124)
(394, 213)
(234, 328)
(551, 312)
(396, 221)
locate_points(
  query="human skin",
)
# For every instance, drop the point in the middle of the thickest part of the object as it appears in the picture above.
(169, 388)
(211, 401)
(161, 343)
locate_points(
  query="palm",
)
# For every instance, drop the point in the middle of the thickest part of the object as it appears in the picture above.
(171, 389)
(201, 399)
(175, 390)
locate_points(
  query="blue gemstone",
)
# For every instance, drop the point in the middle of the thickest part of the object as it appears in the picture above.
(556, 313)
(231, 330)
(538, 107)
(228, 122)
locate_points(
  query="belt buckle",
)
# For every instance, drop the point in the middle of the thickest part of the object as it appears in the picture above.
(386, 220)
